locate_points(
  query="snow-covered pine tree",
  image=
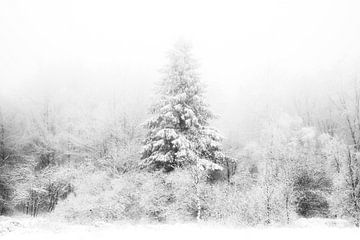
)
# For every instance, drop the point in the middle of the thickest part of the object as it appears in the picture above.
(178, 133)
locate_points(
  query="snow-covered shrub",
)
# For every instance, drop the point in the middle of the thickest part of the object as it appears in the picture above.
(99, 196)
(312, 191)
(5, 193)
(230, 204)
(183, 202)
(90, 190)
(41, 192)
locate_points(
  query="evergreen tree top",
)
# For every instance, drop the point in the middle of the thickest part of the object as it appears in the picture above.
(179, 132)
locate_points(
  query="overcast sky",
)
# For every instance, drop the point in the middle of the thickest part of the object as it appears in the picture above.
(253, 54)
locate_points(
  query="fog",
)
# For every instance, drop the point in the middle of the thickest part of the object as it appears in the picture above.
(254, 55)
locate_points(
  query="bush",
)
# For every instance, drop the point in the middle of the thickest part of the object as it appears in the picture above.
(5, 193)
(312, 190)
(232, 205)
(131, 196)
(41, 192)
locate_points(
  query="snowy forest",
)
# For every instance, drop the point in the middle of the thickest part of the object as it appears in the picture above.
(94, 162)
(126, 149)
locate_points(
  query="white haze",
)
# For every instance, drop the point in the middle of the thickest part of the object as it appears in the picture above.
(254, 55)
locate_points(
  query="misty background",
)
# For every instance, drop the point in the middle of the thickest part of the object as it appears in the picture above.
(255, 56)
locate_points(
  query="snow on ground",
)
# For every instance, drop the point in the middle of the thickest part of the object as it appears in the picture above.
(42, 228)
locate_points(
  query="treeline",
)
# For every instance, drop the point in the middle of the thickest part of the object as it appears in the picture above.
(92, 160)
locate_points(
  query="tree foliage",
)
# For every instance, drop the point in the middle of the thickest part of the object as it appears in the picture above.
(179, 133)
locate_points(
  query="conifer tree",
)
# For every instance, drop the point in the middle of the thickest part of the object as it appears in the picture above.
(178, 133)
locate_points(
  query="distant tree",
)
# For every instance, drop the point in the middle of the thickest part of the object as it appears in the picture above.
(5, 157)
(278, 168)
(347, 162)
(14, 165)
(178, 133)
(349, 106)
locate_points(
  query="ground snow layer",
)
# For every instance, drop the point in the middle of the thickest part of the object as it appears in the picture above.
(42, 228)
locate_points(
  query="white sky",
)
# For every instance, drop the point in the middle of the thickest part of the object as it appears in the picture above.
(253, 54)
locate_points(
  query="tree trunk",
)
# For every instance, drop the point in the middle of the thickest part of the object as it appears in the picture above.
(287, 209)
(268, 213)
(228, 171)
(268, 206)
(196, 175)
(198, 217)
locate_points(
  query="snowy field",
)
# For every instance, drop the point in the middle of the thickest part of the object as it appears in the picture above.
(40, 228)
